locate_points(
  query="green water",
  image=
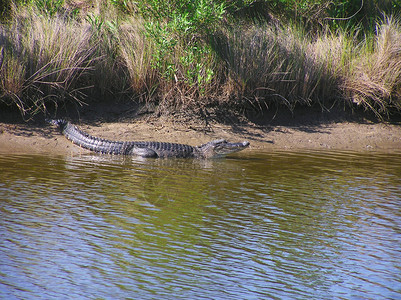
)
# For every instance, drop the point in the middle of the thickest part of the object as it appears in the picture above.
(310, 225)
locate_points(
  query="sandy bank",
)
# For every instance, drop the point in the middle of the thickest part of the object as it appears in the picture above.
(275, 135)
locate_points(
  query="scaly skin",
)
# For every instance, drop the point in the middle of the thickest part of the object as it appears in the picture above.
(212, 149)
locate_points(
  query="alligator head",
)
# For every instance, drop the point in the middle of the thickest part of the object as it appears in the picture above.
(218, 148)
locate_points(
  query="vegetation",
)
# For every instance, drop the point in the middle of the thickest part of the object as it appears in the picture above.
(195, 54)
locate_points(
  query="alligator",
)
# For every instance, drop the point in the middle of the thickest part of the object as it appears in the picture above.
(216, 148)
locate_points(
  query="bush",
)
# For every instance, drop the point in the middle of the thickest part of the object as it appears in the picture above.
(179, 31)
(193, 54)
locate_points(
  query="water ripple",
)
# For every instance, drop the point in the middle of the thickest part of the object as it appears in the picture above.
(268, 225)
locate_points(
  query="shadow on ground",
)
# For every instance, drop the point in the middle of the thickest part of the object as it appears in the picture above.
(254, 125)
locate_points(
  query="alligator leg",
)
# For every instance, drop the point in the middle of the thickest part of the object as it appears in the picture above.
(143, 152)
(215, 148)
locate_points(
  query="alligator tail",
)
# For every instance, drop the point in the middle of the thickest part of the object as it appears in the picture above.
(87, 141)
(61, 123)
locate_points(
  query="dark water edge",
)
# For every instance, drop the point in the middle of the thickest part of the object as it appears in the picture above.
(258, 225)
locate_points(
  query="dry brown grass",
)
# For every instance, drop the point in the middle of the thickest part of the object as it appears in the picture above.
(274, 65)
(375, 79)
(53, 59)
(136, 54)
(44, 59)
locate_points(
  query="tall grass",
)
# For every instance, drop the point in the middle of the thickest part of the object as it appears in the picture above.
(135, 52)
(44, 59)
(47, 59)
(374, 81)
(268, 65)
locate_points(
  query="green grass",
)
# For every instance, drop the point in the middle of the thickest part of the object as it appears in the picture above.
(79, 52)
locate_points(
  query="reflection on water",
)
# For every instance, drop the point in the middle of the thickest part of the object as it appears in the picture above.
(261, 225)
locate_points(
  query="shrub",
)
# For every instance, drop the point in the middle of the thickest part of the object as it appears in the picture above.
(192, 54)
(179, 28)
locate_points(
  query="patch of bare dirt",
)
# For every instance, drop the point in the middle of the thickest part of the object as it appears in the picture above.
(302, 130)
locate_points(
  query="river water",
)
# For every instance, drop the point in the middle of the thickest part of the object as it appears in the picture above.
(311, 225)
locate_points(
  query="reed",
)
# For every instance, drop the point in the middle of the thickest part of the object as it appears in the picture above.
(374, 81)
(135, 53)
(101, 53)
(44, 59)
(275, 65)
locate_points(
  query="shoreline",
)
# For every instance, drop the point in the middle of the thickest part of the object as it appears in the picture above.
(300, 133)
